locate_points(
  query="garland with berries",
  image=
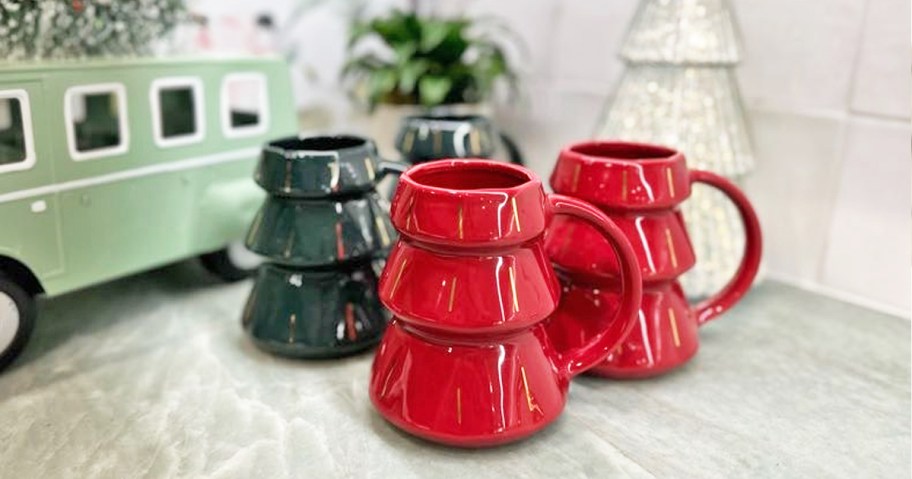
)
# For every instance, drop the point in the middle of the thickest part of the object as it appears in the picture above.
(33, 29)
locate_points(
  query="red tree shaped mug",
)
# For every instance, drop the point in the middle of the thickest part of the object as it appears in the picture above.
(639, 187)
(466, 361)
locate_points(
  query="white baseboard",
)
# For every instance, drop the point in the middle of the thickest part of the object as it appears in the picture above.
(840, 295)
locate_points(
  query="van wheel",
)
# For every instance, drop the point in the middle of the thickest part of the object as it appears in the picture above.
(232, 263)
(17, 320)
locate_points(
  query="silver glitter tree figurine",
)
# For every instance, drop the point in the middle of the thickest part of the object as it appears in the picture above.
(679, 90)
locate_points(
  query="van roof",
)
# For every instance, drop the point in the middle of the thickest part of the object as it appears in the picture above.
(122, 62)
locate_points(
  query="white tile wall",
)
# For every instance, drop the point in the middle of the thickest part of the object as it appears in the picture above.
(799, 54)
(530, 20)
(794, 187)
(585, 43)
(549, 118)
(882, 85)
(828, 86)
(868, 253)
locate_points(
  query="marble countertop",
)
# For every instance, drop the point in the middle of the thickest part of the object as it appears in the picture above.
(151, 376)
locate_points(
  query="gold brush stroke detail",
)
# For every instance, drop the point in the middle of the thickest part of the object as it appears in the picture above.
(474, 142)
(452, 295)
(255, 228)
(409, 141)
(624, 185)
(288, 243)
(340, 243)
(370, 168)
(459, 222)
(674, 257)
(334, 173)
(516, 215)
(292, 325)
(398, 277)
(576, 175)
(671, 185)
(386, 382)
(381, 228)
(458, 405)
(529, 401)
(513, 289)
(248, 307)
(350, 330)
(287, 185)
(408, 215)
(438, 141)
(674, 327)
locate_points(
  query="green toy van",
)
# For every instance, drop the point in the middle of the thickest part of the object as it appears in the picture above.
(109, 167)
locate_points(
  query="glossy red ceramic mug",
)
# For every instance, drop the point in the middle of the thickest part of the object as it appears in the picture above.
(466, 361)
(640, 187)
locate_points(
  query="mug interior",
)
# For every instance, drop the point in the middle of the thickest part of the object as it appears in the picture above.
(319, 143)
(454, 118)
(467, 178)
(623, 151)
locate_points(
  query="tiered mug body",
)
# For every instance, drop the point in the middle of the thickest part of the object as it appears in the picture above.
(315, 312)
(665, 336)
(466, 360)
(319, 232)
(322, 229)
(640, 187)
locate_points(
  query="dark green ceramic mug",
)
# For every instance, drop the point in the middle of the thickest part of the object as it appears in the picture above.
(429, 137)
(315, 312)
(323, 229)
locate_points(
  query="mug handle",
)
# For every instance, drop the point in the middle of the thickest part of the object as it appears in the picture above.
(388, 167)
(753, 247)
(513, 151)
(392, 167)
(579, 359)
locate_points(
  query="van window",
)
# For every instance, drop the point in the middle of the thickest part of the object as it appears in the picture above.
(16, 147)
(244, 104)
(177, 111)
(96, 120)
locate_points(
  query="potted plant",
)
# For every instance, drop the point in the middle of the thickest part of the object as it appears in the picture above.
(403, 64)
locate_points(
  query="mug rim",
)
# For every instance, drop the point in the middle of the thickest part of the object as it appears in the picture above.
(528, 178)
(662, 154)
(283, 146)
(445, 118)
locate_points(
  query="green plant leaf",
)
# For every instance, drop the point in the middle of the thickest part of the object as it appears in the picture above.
(381, 83)
(432, 89)
(409, 74)
(397, 28)
(405, 51)
(436, 60)
(358, 31)
(433, 32)
(453, 45)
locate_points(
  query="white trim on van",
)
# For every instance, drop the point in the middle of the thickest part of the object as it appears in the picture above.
(199, 117)
(26, 111)
(120, 91)
(263, 125)
(156, 169)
